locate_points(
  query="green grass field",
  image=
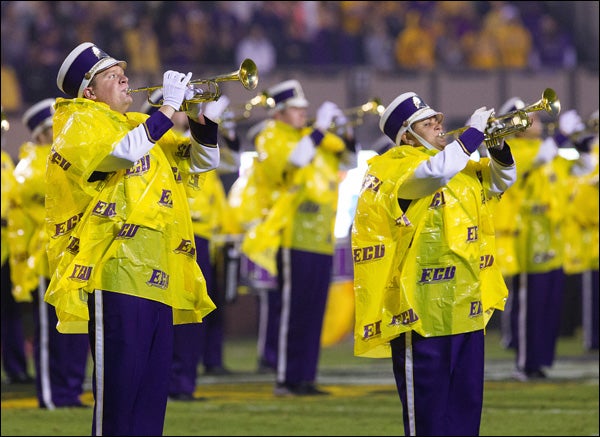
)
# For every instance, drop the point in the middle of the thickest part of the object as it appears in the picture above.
(363, 401)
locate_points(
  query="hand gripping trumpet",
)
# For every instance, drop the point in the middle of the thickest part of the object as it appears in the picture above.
(514, 121)
(247, 74)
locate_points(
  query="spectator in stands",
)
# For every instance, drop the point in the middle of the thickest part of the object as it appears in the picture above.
(143, 49)
(415, 45)
(481, 49)
(513, 39)
(553, 47)
(257, 46)
(378, 46)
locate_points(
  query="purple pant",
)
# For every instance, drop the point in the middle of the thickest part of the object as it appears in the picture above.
(132, 347)
(60, 359)
(590, 308)
(269, 316)
(535, 310)
(14, 358)
(198, 341)
(212, 328)
(440, 383)
(305, 279)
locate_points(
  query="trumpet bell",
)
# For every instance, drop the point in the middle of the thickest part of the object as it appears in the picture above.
(515, 121)
(373, 106)
(550, 102)
(519, 120)
(247, 74)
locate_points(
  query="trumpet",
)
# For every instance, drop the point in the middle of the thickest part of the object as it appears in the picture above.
(261, 99)
(355, 116)
(514, 121)
(247, 74)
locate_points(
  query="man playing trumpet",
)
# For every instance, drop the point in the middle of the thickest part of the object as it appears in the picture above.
(121, 240)
(294, 241)
(425, 279)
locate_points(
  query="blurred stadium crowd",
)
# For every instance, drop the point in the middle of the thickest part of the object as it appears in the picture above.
(387, 36)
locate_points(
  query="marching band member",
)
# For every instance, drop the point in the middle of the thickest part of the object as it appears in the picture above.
(14, 356)
(535, 303)
(425, 279)
(249, 200)
(591, 288)
(60, 359)
(202, 342)
(121, 240)
(295, 241)
(215, 228)
(580, 227)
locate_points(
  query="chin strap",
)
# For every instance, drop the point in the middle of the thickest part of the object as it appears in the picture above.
(421, 140)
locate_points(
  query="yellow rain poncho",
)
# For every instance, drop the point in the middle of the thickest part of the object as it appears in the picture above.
(431, 268)
(129, 232)
(27, 229)
(8, 186)
(303, 214)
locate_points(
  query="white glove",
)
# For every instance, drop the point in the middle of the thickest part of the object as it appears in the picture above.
(227, 121)
(547, 152)
(570, 122)
(343, 127)
(325, 115)
(341, 120)
(480, 118)
(174, 88)
(214, 110)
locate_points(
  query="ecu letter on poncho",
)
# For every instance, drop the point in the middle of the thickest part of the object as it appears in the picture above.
(430, 268)
(130, 232)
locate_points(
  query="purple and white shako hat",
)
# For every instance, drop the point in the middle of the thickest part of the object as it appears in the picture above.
(406, 109)
(80, 66)
(512, 104)
(288, 94)
(39, 116)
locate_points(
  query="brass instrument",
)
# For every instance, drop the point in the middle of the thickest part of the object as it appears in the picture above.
(514, 121)
(261, 99)
(355, 116)
(247, 74)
